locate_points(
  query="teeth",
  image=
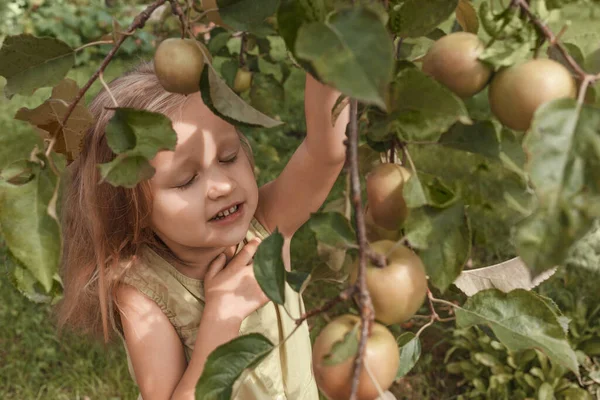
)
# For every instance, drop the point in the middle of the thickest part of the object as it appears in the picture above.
(223, 214)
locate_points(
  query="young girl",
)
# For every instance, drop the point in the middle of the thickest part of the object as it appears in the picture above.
(168, 263)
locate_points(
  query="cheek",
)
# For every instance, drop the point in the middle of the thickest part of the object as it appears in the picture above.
(172, 207)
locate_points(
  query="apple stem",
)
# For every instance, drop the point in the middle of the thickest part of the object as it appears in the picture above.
(138, 22)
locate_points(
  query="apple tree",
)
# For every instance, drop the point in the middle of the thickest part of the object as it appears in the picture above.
(499, 81)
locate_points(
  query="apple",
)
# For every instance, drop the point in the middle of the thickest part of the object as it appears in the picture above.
(178, 64)
(398, 289)
(242, 81)
(516, 92)
(385, 183)
(453, 61)
(381, 355)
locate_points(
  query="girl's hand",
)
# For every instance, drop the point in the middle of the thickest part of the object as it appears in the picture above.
(230, 289)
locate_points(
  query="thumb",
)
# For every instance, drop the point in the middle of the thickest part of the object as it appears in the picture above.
(215, 267)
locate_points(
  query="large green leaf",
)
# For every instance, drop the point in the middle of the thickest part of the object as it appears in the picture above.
(479, 138)
(223, 101)
(421, 108)
(410, 352)
(443, 240)
(352, 51)
(136, 136)
(29, 63)
(31, 233)
(18, 143)
(333, 229)
(227, 362)
(520, 320)
(248, 15)
(419, 17)
(49, 115)
(269, 269)
(564, 165)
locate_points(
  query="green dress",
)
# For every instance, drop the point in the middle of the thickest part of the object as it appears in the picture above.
(286, 373)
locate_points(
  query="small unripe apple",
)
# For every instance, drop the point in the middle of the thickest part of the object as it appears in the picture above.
(516, 92)
(178, 64)
(381, 355)
(398, 289)
(453, 61)
(242, 81)
(385, 183)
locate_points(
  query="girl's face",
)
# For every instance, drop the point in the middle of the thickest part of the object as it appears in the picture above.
(208, 172)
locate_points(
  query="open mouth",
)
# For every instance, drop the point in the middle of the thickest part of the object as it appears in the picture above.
(226, 214)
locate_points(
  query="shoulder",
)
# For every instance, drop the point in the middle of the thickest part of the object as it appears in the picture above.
(155, 350)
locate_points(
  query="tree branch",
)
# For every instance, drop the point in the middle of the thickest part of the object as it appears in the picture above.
(553, 39)
(367, 314)
(138, 22)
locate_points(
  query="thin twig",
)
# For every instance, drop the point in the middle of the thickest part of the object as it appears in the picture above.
(176, 8)
(101, 77)
(552, 39)
(364, 299)
(137, 23)
(93, 44)
(343, 296)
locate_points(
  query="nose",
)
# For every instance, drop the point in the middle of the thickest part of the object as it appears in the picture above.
(219, 184)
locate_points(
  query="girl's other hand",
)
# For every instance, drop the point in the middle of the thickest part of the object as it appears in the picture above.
(231, 289)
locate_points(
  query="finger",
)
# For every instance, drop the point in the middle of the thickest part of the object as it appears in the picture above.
(244, 257)
(215, 267)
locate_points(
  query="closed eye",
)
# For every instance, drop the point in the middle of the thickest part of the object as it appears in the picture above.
(230, 160)
(188, 183)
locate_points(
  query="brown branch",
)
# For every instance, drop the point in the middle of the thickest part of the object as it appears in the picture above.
(176, 9)
(364, 299)
(552, 38)
(138, 22)
(343, 296)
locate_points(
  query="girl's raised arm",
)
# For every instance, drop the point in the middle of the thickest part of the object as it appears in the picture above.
(287, 202)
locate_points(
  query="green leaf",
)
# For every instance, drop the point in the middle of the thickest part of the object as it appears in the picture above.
(563, 150)
(296, 279)
(479, 138)
(418, 17)
(49, 115)
(248, 15)
(227, 362)
(352, 51)
(136, 136)
(32, 235)
(28, 285)
(574, 51)
(18, 144)
(520, 320)
(443, 237)
(269, 269)
(126, 170)
(343, 349)
(421, 108)
(332, 228)
(290, 17)
(410, 352)
(28, 63)
(223, 101)
(592, 62)
(420, 191)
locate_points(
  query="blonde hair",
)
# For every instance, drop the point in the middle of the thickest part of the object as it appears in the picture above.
(103, 224)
